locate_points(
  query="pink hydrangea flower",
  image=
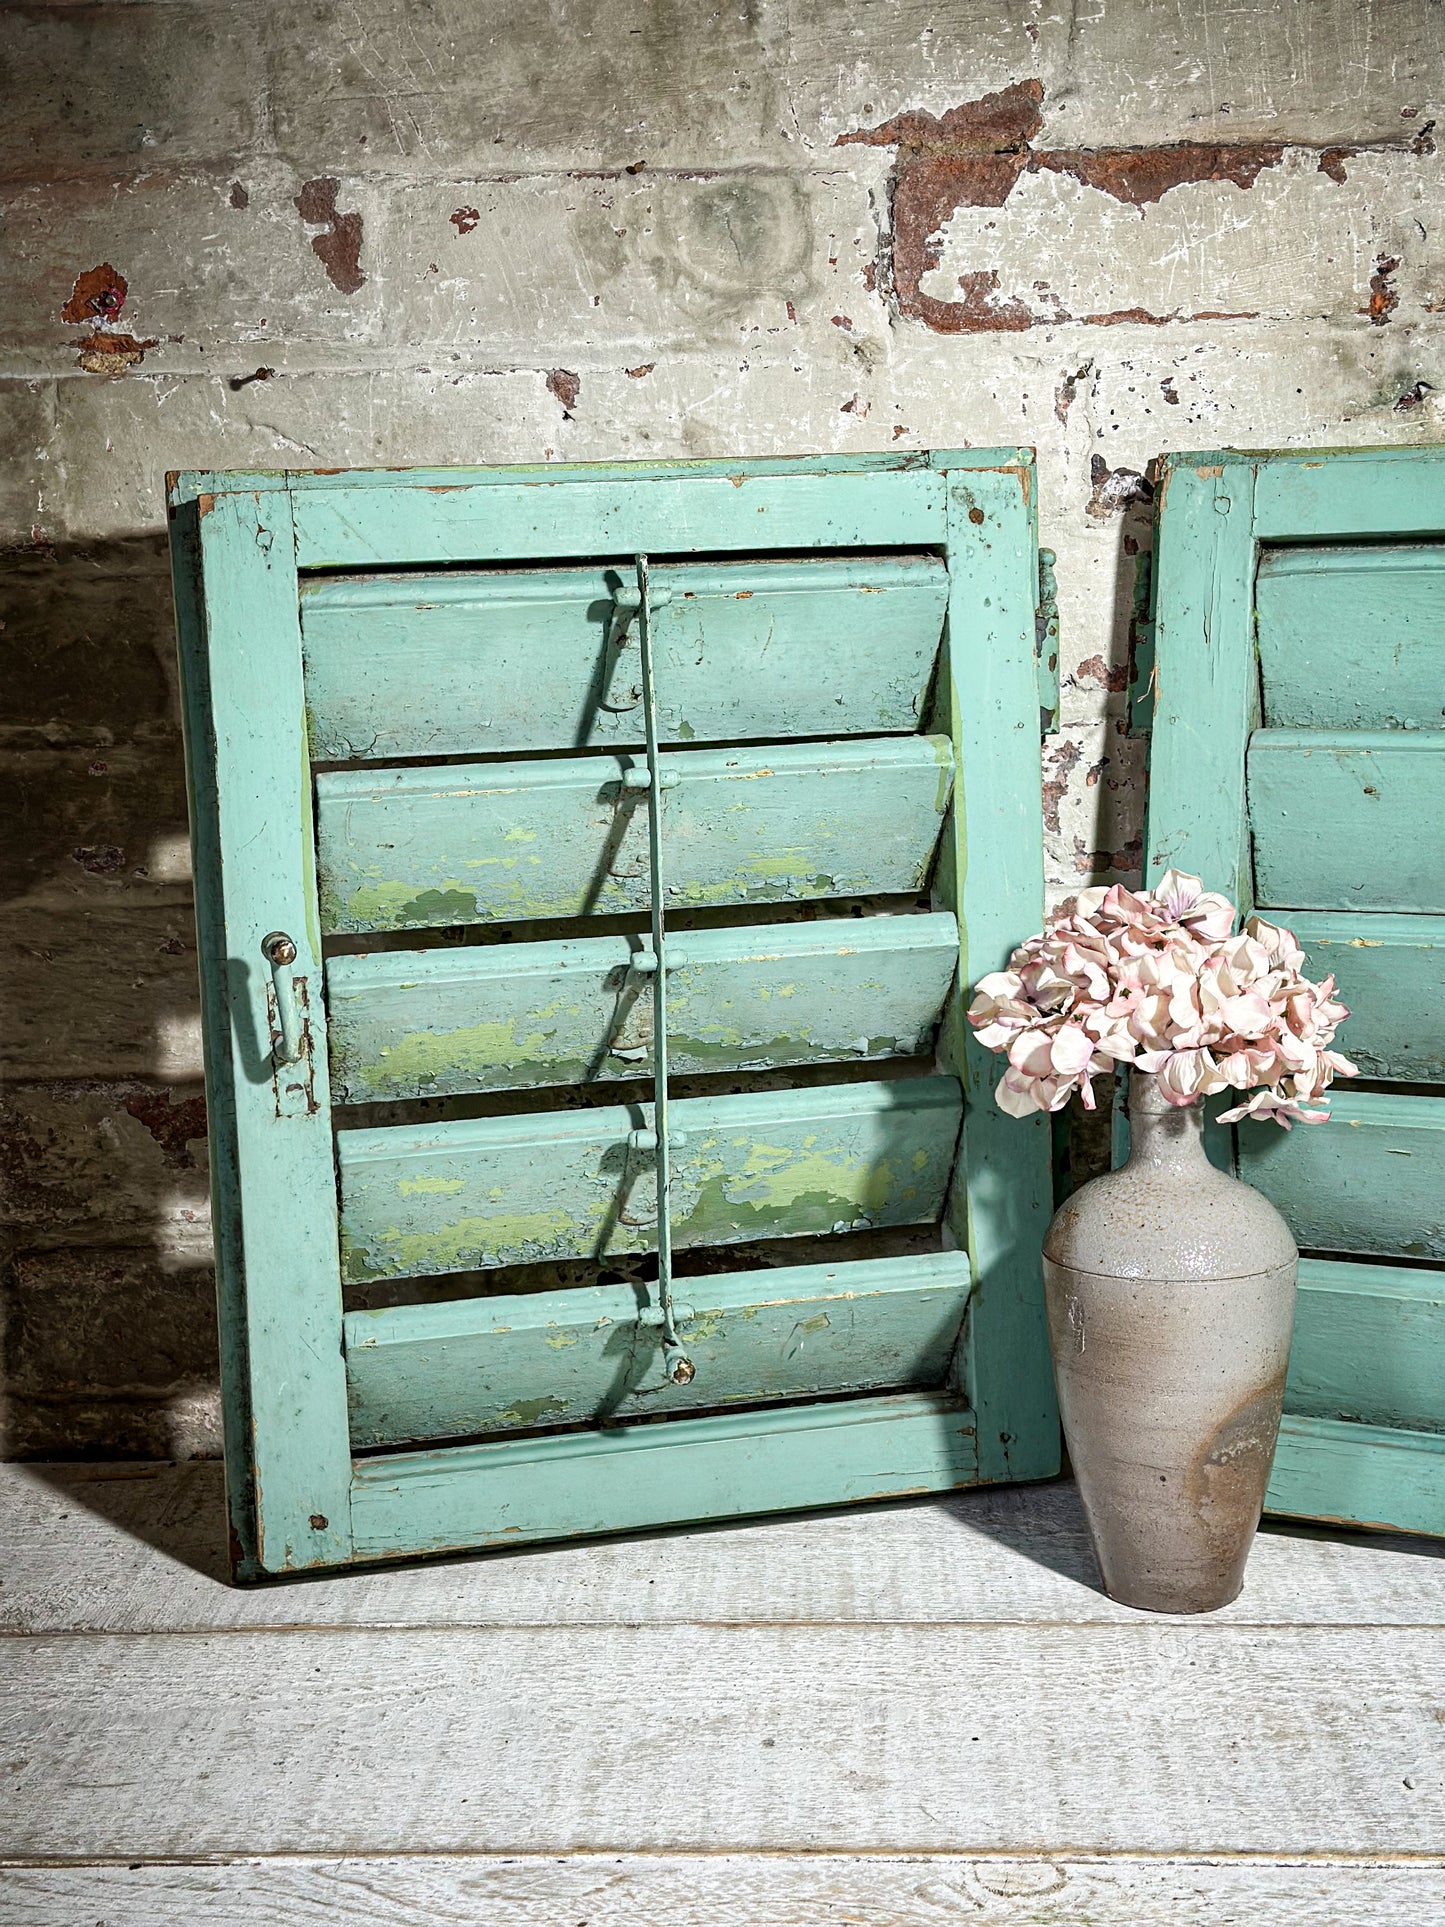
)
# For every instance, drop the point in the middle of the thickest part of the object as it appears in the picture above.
(1162, 980)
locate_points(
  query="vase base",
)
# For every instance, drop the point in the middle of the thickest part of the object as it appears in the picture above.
(1182, 1605)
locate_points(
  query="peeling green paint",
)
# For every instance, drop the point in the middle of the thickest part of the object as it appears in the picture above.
(530, 1411)
(395, 906)
(427, 1183)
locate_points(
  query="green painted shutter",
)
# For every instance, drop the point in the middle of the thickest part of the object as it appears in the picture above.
(416, 728)
(1298, 760)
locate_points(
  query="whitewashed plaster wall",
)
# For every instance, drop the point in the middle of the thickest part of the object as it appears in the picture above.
(375, 232)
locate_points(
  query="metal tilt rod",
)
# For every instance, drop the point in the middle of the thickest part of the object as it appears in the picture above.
(676, 1364)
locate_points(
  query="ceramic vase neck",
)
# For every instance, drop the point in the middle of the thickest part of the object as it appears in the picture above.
(1163, 1135)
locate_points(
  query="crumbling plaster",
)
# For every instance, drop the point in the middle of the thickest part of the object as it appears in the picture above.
(246, 235)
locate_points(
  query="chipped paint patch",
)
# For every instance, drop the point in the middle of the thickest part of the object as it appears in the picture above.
(98, 294)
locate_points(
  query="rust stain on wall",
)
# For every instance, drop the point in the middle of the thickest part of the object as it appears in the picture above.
(339, 248)
(973, 155)
(98, 294)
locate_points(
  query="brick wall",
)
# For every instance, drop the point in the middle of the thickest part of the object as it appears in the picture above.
(311, 235)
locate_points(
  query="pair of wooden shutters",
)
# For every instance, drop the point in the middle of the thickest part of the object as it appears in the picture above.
(435, 841)
(1298, 759)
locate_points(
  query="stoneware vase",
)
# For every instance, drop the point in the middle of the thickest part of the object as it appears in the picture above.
(1170, 1289)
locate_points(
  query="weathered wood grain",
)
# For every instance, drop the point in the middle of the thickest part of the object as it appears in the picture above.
(491, 663)
(141, 1549)
(438, 1022)
(1369, 1345)
(512, 1190)
(1147, 1737)
(1348, 819)
(1371, 1181)
(1391, 972)
(728, 1890)
(409, 847)
(1352, 637)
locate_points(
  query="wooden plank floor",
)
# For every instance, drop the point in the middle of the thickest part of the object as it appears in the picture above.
(918, 1714)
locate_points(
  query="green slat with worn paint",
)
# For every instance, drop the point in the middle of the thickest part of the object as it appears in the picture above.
(483, 1192)
(1352, 638)
(405, 848)
(624, 1478)
(585, 1355)
(470, 664)
(1297, 760)
(804, 633)
(1372, 1180)
(1358, 1475)
(1348, 819)
(1391, 974)
(712, 507)
(1369, 1344)
(503, 1017)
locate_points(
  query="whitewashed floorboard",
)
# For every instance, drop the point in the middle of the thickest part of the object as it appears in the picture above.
(143, 1551)
(1155, 1737)
(727, 1891)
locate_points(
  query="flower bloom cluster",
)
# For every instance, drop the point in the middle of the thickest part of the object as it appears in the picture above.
(1161, 980)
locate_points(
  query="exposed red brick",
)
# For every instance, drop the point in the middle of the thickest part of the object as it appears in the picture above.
(1060, 766)
(1008, 118)
(1113, 676)
(1383, 298)
(981, 311)
(106, 354)
(642, 368)
(1138, 175)
(1115, 315)
(1090, 863)
(173, 1126)
(98, 293)
(973, 154)
(566, 386)
(464, 219)
(339, 248)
